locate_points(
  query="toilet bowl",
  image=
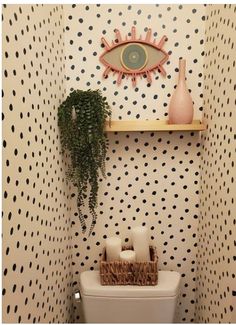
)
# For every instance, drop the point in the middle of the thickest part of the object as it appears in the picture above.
(129, 304)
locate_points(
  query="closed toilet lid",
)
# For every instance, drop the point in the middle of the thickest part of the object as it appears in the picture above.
(168, 285)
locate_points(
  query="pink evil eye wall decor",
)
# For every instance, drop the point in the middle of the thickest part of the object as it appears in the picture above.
(133, 57)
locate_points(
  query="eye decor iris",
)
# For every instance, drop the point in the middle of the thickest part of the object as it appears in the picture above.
(134, 56)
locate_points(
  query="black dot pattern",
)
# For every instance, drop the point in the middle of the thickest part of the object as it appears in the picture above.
(37, 259)
(152, 178)
(217, 229)
(184, 27)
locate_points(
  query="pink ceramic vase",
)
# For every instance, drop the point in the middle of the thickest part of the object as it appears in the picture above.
(181, 104)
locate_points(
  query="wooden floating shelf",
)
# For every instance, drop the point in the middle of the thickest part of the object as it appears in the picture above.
(152, 125)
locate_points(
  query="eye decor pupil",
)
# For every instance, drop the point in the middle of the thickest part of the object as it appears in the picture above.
(134, 57)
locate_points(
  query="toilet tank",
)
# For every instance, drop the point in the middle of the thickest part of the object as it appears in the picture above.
(129, 304)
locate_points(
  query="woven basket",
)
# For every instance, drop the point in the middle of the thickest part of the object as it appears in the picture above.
(129, 273)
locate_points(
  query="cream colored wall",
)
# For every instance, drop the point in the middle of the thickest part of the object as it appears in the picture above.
(37, 274)
(152, 178)
(216, 283)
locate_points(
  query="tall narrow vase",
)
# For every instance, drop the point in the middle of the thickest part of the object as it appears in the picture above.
(181, 104)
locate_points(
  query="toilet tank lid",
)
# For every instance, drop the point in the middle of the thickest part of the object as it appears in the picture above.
(168, 285)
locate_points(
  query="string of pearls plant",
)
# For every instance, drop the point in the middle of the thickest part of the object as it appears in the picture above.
(81, 119)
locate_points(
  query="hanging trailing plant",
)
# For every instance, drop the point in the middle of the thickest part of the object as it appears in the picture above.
(81, 119)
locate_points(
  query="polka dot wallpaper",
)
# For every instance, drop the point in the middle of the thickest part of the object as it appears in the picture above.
(216, 283)
(166, 181)
(184, 26)
(152, 178)
(37, 259)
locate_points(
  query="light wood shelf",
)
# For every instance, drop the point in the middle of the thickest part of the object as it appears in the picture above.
(152, 125)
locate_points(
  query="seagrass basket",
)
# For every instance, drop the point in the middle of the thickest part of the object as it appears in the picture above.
(129, 273)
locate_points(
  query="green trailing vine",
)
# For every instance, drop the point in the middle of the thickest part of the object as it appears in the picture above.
(81, 119)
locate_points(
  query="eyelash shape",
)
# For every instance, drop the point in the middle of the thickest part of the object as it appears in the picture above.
(118, 46)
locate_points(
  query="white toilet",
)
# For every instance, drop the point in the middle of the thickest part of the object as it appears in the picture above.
(129, 304)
